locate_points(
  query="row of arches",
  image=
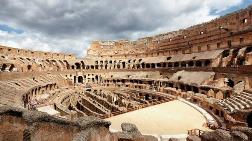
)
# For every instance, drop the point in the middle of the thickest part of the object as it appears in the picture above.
(198, 63)
(7, 67)
(26, 64)
(29, 99)
(87, 79)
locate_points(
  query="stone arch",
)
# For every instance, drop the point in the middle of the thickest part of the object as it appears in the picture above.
(198, 64)
(190, 63)
(78, 65)
(11, 67)
(123, 65)
(29, 67)
(74, 79)
(87, 67)
(153, 65)
(147, 65)
(96, 78)
(225, 53)
(176, 64)
(4, 66)
(183, 64)
(147, 97)
(143, 65)
(82, 65)
(67, 64)
(169, 64)
(241, 61)
(138, 66)
(80, 79)
(230, 82)
(207, 63)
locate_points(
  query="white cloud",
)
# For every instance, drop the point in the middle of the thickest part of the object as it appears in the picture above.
(68, 26)
(40, 42)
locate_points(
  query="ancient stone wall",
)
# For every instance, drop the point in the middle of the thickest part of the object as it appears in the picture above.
(22, 125)
(14, 52)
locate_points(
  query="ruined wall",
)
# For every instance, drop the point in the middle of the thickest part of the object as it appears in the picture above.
(14, 52)
(22, 125)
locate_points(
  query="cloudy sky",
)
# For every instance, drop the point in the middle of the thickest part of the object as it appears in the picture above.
(69, 26)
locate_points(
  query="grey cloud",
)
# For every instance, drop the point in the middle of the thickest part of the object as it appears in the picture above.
(59, 22)
(70, 18)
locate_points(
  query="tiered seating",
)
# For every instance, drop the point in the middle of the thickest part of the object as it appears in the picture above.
(11, 91)
(237, 102)
(94, 106)
(103, 101)
(8, 95)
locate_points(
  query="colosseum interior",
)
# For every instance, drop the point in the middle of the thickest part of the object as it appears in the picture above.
(192, 84)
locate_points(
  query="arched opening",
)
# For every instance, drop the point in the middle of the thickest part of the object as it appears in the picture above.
(123, 65)
(96, 78)
(198, 64)
(67, 65)
(29, 67)
(11, 67)
(176, 64)
(182, 87)
(164, 65)
(138, 66)
(248, 49)
(160, 98)
(96, 66)
(74, 79)
(207, 63)
(118, 66)
(143, 65)
(80, 79)
(82, 65)
(169, 64)
(225, 53)
(147, 65)
(195, 89)
(188, 88)
(241, 61)
(249, 120)
(3, 67)
(152, 65)
(78, 66)
(191, 64)
(72, 67)
(183, 64)
(147, 97)
(230, 83)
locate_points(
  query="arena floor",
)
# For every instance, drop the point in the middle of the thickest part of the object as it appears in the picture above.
(169, 118)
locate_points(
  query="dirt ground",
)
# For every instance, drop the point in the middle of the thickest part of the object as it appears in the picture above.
(169, 118)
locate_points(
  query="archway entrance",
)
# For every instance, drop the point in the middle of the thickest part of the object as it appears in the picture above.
(80, 79)
(249, 120)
